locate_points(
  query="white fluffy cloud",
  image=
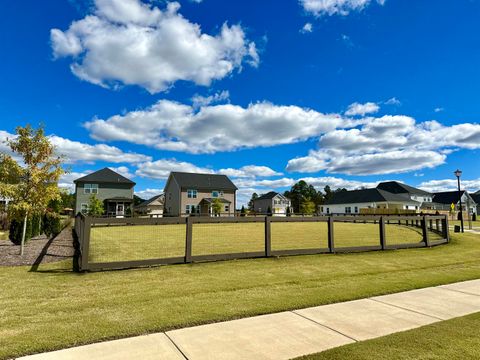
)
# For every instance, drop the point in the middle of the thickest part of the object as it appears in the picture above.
(307, 28)
(450, 185)
(250, 171)
(362, 109)
(75, 151)
(386, 145)
(169, 125)
(335, 7)
(160, 169)
(134, 43)
(148, 193)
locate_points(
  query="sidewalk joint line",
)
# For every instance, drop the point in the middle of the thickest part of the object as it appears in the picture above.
(455, 290)
(404, 308)
(325, 326)
(176, 346)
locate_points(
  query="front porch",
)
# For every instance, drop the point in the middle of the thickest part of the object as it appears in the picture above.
(118, 207)
(206, 207)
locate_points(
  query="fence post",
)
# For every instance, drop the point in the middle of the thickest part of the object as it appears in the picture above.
(431, 224)
(268, 237)
(331, 236)
(188, 240)
(383, 242)
(425, 231)
(446, 233)
(85, 246)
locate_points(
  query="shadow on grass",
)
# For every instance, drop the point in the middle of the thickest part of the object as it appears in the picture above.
(74, 268)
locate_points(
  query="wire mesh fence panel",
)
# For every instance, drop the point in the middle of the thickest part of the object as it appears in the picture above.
(136, 242)
(299, 235)
(355, 234)
(227, 238)
(402, 234)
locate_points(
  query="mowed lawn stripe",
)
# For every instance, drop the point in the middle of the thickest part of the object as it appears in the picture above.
(56, 308)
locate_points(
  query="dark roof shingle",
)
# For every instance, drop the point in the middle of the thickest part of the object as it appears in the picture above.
(398, 188)
(366, 196)
(447, 197)
(203, 181)
(105, 175)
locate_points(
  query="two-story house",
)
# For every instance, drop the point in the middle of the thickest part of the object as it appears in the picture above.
(273, 203)
(187, 193)
(115, 190)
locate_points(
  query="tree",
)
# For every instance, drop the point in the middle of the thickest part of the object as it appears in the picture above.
(193, 210)
(32, 185)
(243, 212)
(216, 206)
(137, 200)
(300, 192)
(328, 193)
(95, 206)
(307, 207)
(250, 203)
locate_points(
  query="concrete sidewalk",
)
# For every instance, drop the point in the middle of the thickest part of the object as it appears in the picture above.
(294, 333)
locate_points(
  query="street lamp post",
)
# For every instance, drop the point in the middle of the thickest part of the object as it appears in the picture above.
(458, 173)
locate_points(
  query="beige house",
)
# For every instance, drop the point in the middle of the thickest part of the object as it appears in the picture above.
(152, 207)
(191, 193)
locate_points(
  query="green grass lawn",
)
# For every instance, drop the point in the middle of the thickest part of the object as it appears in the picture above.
(452, 339)
(123, 243)
(3, 235)
(55, 308)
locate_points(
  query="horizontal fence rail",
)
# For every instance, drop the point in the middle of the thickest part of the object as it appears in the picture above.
(118, 243)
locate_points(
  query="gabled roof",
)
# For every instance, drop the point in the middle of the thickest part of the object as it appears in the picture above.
(268, 196)
(160, 198)
(203, 181)
(367, 196)
(396, 187)
(447, 197)
(476, 197)
(105, 175)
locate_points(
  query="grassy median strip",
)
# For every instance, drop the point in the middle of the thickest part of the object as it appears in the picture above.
(452, 339)
(56, 308)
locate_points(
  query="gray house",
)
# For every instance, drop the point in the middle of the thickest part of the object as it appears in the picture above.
(187, 193)
(274, 202)
(115, 190)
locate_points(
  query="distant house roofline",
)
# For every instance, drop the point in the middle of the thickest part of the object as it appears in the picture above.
(202, 181)
(104, 176)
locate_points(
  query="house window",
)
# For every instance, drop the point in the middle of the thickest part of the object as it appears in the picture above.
(215, 194)
(356, 209)
(84, 208)
(321, 209)
(348, 210)
(227, 208)
(328, 210)
(187, 209)
(169, 196)
(192, 194)
(90, 189)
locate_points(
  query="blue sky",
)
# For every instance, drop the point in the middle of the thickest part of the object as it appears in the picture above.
(345, 92)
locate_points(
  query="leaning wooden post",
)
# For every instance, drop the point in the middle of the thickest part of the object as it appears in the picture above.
(85, 246)
(331, 236)
(425, 231)
(268, 236)
(383, 242)
(188, 240)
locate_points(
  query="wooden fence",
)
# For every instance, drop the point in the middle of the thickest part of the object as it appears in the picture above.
(432, 230)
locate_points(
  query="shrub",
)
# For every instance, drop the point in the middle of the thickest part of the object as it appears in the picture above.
(36, 225)
(16, 231)
(52, 224)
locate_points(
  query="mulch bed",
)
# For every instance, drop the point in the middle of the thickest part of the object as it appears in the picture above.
(39, 250)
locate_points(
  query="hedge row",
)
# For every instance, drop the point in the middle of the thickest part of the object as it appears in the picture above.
(50, 225)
